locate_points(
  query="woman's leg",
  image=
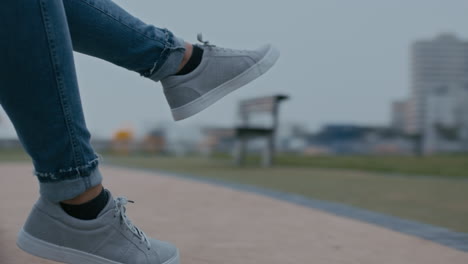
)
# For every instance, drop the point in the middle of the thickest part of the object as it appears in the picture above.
(102, 29)
(39, 92)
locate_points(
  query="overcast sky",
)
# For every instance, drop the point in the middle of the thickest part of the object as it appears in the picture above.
(342, 61)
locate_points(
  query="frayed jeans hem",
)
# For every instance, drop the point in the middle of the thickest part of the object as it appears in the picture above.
(170, 59)
(70, 173)
(68, 189)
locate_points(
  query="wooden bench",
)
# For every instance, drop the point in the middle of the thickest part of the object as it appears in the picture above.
(268, 105)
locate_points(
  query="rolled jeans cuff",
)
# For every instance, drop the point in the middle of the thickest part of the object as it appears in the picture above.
(170, 59)
(70, 188)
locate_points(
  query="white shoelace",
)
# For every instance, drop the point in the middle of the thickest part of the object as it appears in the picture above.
(205, 43)
(120, 210)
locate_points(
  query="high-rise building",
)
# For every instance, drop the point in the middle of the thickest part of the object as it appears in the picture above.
(439, 86)
(401, 116)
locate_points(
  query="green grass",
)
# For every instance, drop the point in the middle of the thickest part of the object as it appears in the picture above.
(13, 155)
(441, 165)
(441, 201)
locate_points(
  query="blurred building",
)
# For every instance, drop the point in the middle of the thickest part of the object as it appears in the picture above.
(446, 126)
(401, 116)
(355, 139)
(154, 142)
(439, 84)
(217, 140)
(122, 141)
(292, 138)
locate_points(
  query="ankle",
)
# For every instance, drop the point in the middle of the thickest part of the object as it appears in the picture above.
(87, 196)
(84, 209)
(193, 62)
(187, 55)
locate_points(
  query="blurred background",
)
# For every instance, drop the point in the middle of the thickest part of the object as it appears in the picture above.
(374, 108)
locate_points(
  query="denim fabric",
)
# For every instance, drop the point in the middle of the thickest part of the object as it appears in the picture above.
(38, 84)
(102, 29)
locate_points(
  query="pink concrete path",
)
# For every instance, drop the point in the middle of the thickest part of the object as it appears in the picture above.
(214, 225)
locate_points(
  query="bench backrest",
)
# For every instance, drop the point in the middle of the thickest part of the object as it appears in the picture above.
(268, 105)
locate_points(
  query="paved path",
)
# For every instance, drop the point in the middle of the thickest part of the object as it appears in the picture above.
(211, 224)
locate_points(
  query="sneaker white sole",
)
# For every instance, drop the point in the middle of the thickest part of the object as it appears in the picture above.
(50, 251)
(224, 89)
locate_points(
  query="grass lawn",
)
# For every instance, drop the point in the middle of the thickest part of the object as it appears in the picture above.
(441, 165)
(374, 183)
(441, 201)
(13, 155)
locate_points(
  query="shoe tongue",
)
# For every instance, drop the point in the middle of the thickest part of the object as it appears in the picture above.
(110, 204)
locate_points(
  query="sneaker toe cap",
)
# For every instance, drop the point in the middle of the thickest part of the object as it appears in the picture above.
(260, 52)
(166, 251)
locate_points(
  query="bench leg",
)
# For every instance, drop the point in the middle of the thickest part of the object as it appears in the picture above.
(268, 153)
(240, 151)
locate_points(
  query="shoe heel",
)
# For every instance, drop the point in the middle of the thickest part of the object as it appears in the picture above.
(37, 247)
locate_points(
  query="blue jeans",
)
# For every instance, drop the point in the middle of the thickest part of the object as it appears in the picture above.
(38, 84)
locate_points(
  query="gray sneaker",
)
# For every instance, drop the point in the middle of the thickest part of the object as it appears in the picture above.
(220, 72)
(51, 233)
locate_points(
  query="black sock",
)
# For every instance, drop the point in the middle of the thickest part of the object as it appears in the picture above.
(89, 210)
(193, 62)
